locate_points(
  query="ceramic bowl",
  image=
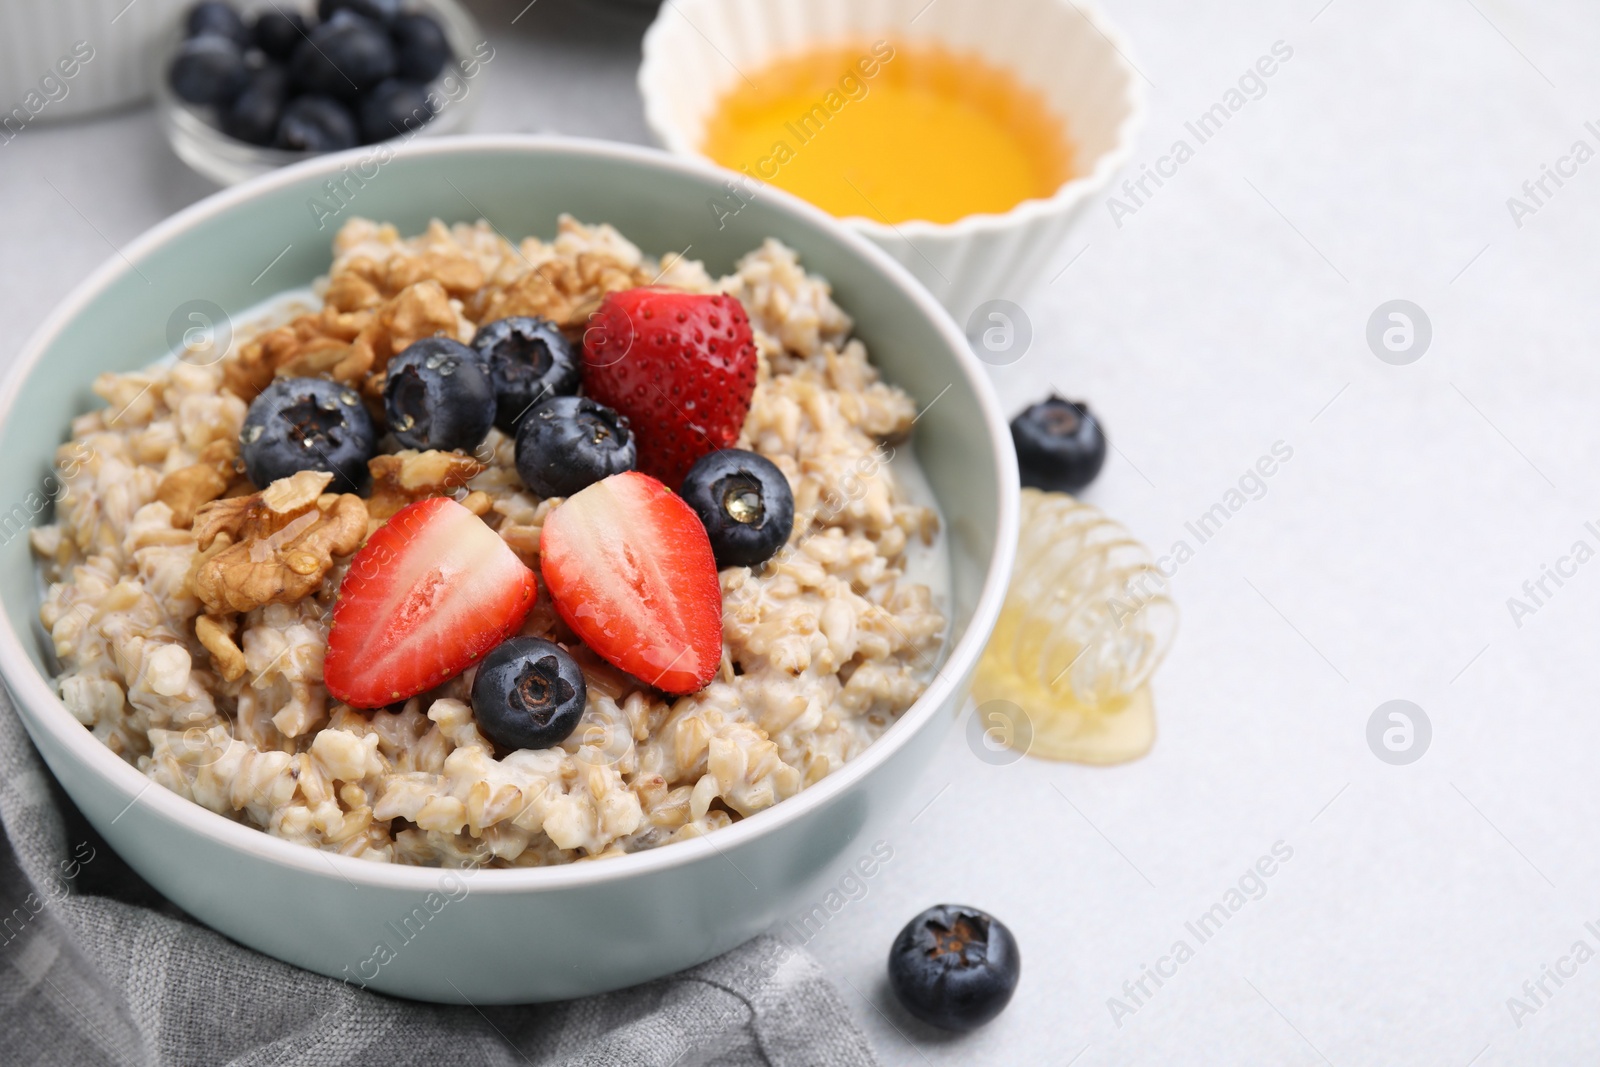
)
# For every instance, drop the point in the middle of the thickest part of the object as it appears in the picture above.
(1063, 49)
(496, 936)
(64, 58)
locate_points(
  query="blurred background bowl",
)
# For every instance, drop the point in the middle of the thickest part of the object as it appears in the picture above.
(195, 137)
(122, 36)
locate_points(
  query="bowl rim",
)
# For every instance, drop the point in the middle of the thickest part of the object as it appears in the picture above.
(38, 703)
(657, 66)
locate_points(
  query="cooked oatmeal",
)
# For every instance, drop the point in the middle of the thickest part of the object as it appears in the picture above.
(189, 610)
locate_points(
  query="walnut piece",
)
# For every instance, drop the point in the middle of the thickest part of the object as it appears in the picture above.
(274, 546)
(459, 275)
(309, 345)
(216, 635)
(408, 476)
(350, 340)
(186, 488)
(564, 290)
(417, 311)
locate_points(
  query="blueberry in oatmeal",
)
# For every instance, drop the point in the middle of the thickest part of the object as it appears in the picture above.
(528, 693)
(343, 57)
(568, 442)
(530, 360)
(208, 70)
(1060, 445)
(315, 123)
(437, 396)
(744, 501)
(307, 424)
(954, 967)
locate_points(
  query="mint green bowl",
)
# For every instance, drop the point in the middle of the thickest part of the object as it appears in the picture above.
(500, 936)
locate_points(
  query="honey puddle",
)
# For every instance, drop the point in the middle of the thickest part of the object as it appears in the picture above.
(1085, 623)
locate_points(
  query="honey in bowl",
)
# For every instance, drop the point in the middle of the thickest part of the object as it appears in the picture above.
(892, 132)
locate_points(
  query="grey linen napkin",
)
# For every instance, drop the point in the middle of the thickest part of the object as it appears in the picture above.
(97, 968)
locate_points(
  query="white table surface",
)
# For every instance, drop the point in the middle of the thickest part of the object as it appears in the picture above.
(1227, 314)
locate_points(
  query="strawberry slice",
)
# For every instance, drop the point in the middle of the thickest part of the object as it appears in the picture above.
(432, 591)
(682, 368)
(629, 568)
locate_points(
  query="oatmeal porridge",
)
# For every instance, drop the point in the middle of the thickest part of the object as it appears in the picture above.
(190, 608)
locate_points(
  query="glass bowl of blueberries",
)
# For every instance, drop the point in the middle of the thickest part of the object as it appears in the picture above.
(250, 85)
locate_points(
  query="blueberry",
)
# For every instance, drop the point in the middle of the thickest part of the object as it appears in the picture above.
(218, 18)
(437, 395)
(278, 32)
(254, 114)
(420, 47)
(568, 442)
(745, 503)
(383, 11)
(393, 107)
(308, 424)
(954, 967)
(314, 123)
(1060, 445)
(208, 70)
(530, 360)
(528, 693)
(343, 57)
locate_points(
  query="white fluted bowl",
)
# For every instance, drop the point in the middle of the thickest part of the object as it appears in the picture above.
(1063, 49)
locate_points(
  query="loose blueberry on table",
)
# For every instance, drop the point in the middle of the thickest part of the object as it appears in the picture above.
(1060, 445)
(358, 74)
(567, 443)
(528, 693)
(437, 396)
(299, 424)
(529, 360)
(954, 967)
(745, 503)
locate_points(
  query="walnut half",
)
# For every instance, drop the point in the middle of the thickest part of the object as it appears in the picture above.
(408, 476)
(274, 546)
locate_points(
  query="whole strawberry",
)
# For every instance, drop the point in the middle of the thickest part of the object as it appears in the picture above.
(682, 368)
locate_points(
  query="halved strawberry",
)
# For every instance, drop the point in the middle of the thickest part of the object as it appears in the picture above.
(432, 591)
(629, 568)
(682, 368)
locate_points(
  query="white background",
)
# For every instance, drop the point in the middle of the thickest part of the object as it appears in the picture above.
(1225, 315)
